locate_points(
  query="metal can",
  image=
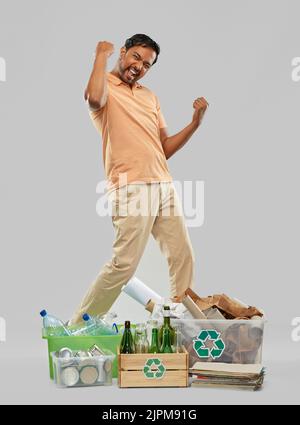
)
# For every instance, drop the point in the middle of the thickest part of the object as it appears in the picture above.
(107, 365)
(89, 375)
(96, 351)
(81, 354)
(69, 376)
(84, 358)
(65, 355)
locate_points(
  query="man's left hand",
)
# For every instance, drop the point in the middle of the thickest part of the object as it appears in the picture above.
(200, 105)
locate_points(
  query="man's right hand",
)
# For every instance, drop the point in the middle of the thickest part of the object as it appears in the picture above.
(105, 47)
(96, 91)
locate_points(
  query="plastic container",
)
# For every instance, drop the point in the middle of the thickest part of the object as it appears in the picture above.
(225, 341)
(84, 342)
(82, 371)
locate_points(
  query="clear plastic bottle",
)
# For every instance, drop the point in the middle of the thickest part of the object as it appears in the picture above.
(53, 326)
(94, 326)
(109, 317)
(108, 322)
(89, 327)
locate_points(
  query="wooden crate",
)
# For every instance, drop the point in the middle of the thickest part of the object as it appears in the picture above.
(153, 370)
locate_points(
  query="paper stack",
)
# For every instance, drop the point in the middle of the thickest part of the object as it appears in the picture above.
(241, 376)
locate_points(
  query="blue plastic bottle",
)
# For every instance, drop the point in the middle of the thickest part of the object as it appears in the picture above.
(53, 326)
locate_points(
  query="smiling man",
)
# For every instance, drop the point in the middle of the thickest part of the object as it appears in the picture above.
(135, 147)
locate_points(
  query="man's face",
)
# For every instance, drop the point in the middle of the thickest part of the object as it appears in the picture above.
(135, 63)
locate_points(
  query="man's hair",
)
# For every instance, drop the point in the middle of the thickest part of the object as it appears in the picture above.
(144, 41)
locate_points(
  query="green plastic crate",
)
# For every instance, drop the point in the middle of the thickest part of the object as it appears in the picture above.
(84, 342)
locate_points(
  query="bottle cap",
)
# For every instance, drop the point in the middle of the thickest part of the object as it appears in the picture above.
(86, 317)
(166, 312)
(127, 324)
(43, 313)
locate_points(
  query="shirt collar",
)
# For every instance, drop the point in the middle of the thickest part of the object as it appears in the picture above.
(117, 81)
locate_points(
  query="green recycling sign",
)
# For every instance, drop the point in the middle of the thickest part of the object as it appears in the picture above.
(200, 344)
(154, 369)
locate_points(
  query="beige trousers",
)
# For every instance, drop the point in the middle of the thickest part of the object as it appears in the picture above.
(139, 210)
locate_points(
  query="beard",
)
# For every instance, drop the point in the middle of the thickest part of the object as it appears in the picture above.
(126, 76)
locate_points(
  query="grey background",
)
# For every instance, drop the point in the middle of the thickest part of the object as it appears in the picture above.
(238, 55)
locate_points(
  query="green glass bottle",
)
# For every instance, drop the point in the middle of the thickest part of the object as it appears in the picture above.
(127, 346)
(166, 342)
(166, 324)
(154, 348)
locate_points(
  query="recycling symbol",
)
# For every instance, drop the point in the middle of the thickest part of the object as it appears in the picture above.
(154, 368)
(204, 337)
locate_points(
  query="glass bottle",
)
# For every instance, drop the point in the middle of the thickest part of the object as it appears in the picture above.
(166, 324)
(177, 346)
(151, 323)
(154, 347)
(127, 346)
(140, 339)
(166, 341)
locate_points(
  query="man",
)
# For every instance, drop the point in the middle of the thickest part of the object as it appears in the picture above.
(136, 146)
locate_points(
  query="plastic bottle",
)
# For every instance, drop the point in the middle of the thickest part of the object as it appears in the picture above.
(108, 318)
(89, 327)
(53, 326)
(94, 326)
(107, 322)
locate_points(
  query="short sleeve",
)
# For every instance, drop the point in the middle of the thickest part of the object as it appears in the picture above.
(161, 119)
(94, 113)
